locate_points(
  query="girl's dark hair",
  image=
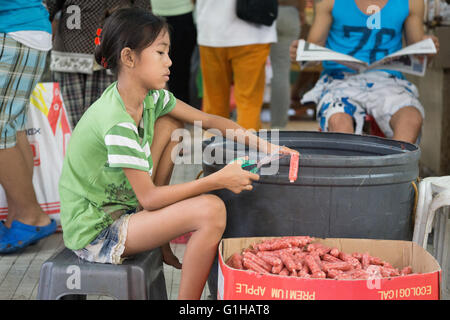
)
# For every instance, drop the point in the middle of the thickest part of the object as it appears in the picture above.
(134, 28)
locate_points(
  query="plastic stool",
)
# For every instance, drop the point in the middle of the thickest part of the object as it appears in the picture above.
(433, 212)
(65, 276)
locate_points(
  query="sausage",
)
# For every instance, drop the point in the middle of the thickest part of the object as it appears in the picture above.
(284, 272)
(235, 261)
(270, 245)
(357, 255)
(288, 261)
(319, 275)
(359, 274)
(334, 252)
(257, 260)
(293, 167)
(376, 260)
(269, 258)
(406, 270)
(329, 258)
(299, 241)
(298, 262)
(319, 248)
(353, 261)
(389, 272)
(365, 260)
(253, 266)
(343, 266)
(333, 273)
(277, 269)
(310, 261)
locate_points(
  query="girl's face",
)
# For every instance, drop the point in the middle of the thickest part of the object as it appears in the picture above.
(152, 66)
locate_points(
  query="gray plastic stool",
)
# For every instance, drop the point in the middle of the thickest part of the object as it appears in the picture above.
(138, 278)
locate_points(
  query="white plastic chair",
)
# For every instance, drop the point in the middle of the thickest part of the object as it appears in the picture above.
(433, 211)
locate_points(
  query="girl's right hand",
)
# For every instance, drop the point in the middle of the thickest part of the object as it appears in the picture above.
(236, 179)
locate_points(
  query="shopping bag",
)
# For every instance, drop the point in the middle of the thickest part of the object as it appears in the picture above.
(48, 131)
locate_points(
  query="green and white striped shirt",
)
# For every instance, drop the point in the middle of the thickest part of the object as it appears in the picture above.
(93, 188)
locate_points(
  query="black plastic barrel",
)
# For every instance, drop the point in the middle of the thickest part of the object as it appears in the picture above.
(348, 186)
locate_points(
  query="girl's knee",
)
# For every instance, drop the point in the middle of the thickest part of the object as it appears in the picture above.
(213, 211)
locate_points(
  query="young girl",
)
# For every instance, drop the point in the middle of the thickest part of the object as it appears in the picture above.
(119, 159)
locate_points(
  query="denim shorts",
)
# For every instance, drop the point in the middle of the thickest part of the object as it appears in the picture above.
(109, 245)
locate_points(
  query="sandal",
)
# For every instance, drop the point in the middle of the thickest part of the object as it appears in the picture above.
(21, 235)
(3, 229)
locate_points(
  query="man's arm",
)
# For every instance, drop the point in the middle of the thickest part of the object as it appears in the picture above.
(320, 27)
(414, 26)
(322, 22)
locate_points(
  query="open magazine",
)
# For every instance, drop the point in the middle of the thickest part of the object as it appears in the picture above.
(404, 60)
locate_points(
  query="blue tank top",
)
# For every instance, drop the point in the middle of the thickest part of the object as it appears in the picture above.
(361, 36)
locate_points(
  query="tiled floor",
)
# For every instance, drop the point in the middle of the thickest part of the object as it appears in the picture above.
(19, 272)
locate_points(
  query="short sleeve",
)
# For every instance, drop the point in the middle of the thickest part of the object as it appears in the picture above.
(164, 102)
(123, 148)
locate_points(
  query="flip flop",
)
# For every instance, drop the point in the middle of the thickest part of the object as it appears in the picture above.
(3, 229)
(21, 235)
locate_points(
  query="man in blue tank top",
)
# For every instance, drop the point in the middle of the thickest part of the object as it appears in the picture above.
(368, 30)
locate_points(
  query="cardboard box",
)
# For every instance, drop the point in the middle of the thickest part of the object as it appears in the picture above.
(234, 284)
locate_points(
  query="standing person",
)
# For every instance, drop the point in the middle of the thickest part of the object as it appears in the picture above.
(25, 39)
(122, 146)
(344, 97)
(291, 15)
(179, 16)
(232, 51)
(73, 66)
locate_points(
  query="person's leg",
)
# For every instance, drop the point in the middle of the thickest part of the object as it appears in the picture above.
(406, 124)
(216, 80)
(21, 68)
(341, 122)
(288, 29)
(161, 149)
(203, 215)
(16, 179)
(248, 63)
(395, 106)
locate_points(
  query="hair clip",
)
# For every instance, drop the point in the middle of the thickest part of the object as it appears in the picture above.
(104, 63)
(97, 39)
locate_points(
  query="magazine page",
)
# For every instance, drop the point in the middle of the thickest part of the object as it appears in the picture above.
(405, 60)
(411, 64)
(307, 52)
(408, 59)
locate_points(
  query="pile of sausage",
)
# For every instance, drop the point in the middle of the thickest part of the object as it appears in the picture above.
(300, 256)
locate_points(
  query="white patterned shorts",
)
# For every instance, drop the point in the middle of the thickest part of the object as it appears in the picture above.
(375, 93)
(109, 245)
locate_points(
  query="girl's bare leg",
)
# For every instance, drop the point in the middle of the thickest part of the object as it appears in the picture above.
(204, 215)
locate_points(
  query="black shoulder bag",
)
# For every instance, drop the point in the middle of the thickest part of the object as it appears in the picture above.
(257, 11)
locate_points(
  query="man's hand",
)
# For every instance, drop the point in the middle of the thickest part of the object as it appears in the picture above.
(431, 55)
(293, 50)
(435, 41)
